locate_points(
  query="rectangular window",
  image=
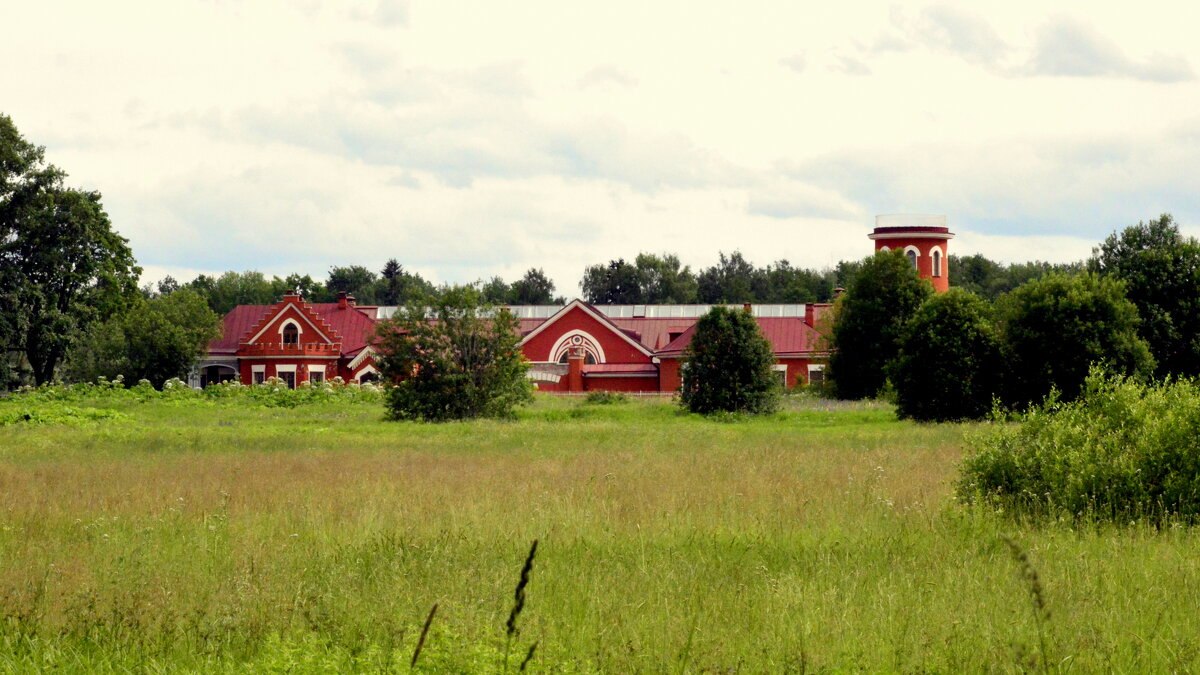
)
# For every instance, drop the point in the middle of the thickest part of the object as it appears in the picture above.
(289, 378)
(316, 376)
(259, 376)
(816, 375)
(781, 371)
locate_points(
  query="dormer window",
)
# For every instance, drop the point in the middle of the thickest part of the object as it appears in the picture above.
(291, 334)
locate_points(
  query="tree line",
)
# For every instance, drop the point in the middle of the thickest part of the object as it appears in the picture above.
(1132, 309)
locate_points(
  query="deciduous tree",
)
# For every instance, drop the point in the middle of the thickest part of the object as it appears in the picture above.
(727, 365)
(949, 365)
(452, 356)
(1055, 328)
(868, 321)
(62, 267)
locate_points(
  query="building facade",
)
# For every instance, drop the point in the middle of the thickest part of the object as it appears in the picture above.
(577, 347)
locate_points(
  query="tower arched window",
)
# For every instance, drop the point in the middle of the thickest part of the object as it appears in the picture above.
(291, 334)
(937, 262)
(912, 258)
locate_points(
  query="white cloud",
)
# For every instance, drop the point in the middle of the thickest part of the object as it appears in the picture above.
(1066, 47)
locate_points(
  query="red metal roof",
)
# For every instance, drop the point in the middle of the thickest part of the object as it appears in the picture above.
(355, 327)
(786, 335)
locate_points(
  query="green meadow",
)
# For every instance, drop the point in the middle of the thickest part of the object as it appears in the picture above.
(233, 536)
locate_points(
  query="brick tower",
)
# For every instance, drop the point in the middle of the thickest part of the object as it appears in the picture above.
(923, 239)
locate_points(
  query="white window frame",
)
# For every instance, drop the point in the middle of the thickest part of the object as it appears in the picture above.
(916, 259)
(938, 262)
(284, 324)
(256, 371)
(781, 368)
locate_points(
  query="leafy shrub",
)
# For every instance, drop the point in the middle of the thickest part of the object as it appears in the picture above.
(53, 414)
(949, 360)
(727, 366)
(605, 398)
(272, 393)
(453, 357)
(1055, 328)
(1123, 450)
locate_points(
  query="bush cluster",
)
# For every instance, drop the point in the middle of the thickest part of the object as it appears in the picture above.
(1122, 450)
(273, 392)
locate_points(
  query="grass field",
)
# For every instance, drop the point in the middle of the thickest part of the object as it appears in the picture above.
(220, 536)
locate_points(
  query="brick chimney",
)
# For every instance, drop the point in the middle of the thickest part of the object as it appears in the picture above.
(343, 301)
(575, 369)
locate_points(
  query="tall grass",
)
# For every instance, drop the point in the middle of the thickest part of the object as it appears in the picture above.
(231, 538)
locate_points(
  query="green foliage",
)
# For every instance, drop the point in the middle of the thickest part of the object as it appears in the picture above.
(949, 364)
(731, 280)
(535, 288)
(156, 340)
(231, 289)
(355, 280)
(617, 283)
(62, 267)
(1056, 327)
(869, 320)
(605, 398)
(454, 358)
(727, 366)
(1161, 271)
(273, 393)
(1123, 450)
(989, 279)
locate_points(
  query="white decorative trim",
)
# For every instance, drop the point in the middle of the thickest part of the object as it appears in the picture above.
(617, 375)
(911, 235)
(260, 368)
(937, 267)
(285, 368)
(542, 376)
(912, 248)
(885, 249)
(281, 311)
(779, 367)
(283, 326)
(562, 344)
(362, 356)
(364, 371)
(816, 367)
(598, 317)
(291, 357)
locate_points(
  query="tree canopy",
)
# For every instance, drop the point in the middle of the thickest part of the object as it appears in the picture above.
(62, 267)
(1055, 328)
(453, 356)
(154, 339)
(949, 365)
(1161, 271)
(868, 322)
(728, 365)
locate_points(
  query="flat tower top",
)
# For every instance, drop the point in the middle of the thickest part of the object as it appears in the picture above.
(910, 220)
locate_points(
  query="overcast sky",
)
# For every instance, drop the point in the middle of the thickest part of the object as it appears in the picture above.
(474, 139)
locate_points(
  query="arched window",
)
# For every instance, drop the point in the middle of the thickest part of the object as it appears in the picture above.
(291, 334)
(912, 258)
(588, 358)
(937, 262)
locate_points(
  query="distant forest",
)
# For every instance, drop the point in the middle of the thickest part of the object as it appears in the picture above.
(648, 279)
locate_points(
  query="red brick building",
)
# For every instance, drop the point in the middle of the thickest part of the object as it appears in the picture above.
(576, 347)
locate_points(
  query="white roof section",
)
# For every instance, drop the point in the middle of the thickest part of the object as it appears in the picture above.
(910, 220)
(640, 311)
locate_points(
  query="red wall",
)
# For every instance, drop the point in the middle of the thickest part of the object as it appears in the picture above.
(629, 384)
(925, 260)
(616, 349)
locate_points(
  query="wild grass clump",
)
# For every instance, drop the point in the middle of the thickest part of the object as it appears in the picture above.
(605, 398)
(1122, 451)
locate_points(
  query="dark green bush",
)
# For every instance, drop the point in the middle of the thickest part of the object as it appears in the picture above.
(1122, 450)
(727, 366)
(949, 363)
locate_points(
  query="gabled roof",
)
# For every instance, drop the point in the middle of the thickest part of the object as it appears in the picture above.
(354, 327)
(595, 314)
